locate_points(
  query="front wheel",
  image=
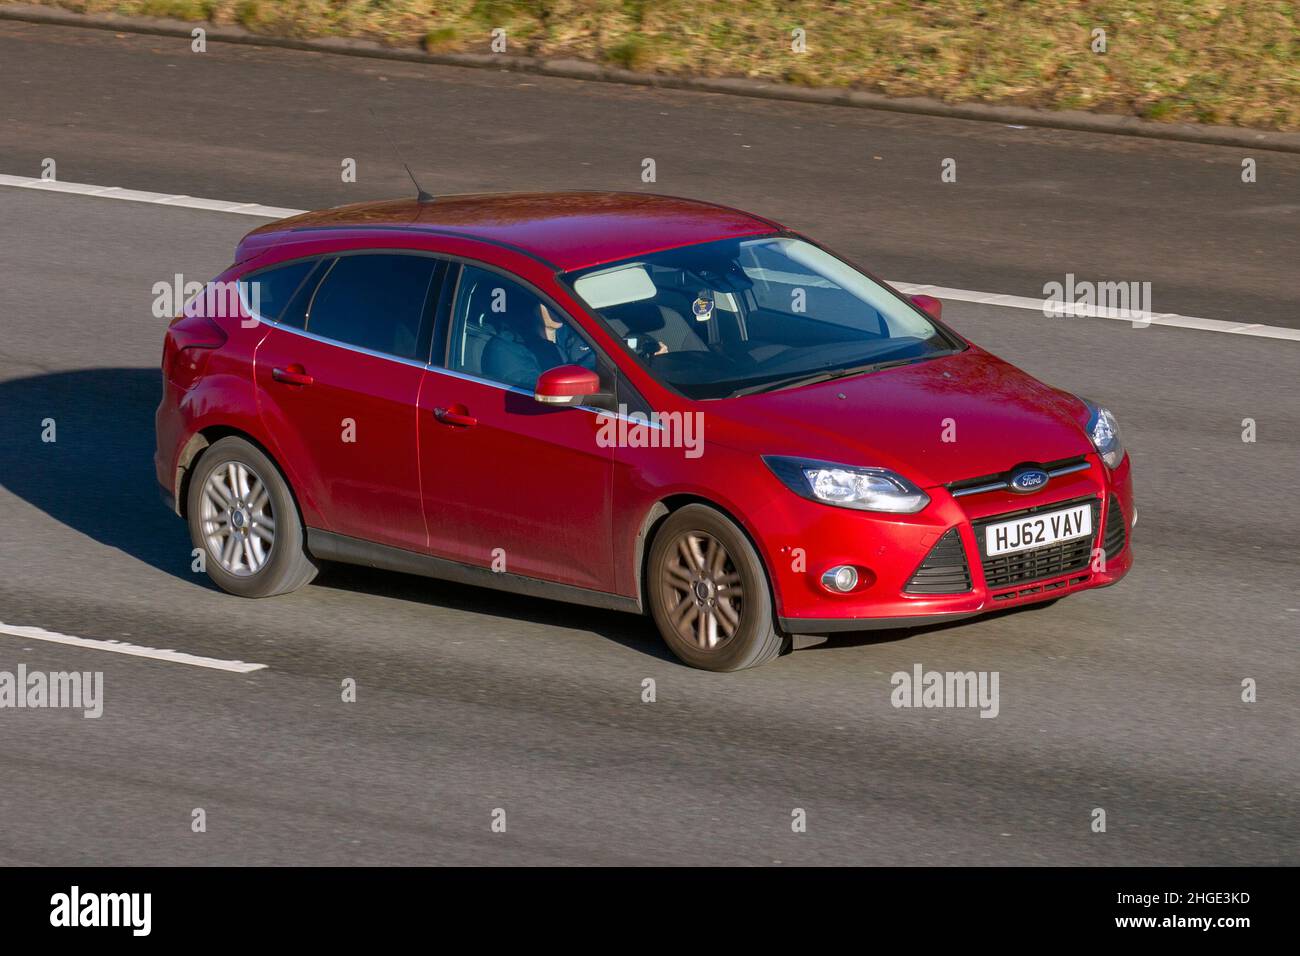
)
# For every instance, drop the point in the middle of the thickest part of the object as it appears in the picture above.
(708, 593)
(243, 518)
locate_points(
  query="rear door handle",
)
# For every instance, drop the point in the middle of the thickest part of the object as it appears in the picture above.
(459, 419)
(293, 375)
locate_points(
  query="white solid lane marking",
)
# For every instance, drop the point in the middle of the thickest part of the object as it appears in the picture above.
(132, 650)
(1101, 312)
(910, 288)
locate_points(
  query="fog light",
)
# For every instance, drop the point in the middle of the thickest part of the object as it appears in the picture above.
(843, 578)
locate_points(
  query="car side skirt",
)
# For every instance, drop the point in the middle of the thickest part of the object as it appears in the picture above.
(329, 546)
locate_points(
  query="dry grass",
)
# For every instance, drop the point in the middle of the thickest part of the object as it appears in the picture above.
(1233, 62)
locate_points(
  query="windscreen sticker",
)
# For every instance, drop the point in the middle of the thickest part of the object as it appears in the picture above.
(702, 307)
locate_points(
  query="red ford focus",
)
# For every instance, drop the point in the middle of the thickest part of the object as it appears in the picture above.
(629, 401)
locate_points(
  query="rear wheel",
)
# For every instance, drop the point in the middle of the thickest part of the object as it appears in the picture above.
(708, 593)
(243, 517)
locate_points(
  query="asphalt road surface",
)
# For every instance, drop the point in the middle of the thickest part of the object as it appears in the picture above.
(1126, 699)
(1028, 206)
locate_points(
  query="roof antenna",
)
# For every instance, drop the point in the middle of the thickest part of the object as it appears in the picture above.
(420, 194)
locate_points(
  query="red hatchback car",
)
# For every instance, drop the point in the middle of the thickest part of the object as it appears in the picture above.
(629, 401)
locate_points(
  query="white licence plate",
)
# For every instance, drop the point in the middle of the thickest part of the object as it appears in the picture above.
(1038, 531)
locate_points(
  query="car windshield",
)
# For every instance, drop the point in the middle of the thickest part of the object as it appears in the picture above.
(740, 316)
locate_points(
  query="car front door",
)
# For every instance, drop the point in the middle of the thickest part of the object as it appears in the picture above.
(511, 484)
(338, 378)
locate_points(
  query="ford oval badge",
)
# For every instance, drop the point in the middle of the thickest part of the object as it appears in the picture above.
(1028, 480)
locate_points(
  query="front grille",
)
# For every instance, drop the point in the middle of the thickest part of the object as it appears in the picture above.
(1002, 479)
(1116, 533)
(944, 570)
(1055, 560)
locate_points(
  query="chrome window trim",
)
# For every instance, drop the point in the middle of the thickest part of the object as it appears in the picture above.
(478, 380)
(360, 349)
(430, 367)
(460, 262)
(467, 377)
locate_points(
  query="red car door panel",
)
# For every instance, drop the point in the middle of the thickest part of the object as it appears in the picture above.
(352, 431)
(339, 394)
(510, 483)
(525, 486)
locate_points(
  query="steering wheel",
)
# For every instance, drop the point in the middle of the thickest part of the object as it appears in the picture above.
(647, 346)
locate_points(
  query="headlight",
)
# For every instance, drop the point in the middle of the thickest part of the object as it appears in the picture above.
(1103, 431)
(849, 486)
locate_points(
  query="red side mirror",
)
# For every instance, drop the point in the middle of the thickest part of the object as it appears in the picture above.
(566, 385)
(929, 305)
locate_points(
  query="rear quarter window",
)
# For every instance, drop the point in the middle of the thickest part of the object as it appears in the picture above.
(269, 292)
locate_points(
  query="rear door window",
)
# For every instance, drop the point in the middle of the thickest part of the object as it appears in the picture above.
(377, 301)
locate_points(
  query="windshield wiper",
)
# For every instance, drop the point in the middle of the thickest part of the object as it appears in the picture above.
(813, 379)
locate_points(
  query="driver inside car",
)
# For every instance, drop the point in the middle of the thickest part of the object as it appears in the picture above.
(529, 341)
(572, 348)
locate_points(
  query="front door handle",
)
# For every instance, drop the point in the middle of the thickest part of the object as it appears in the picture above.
(293, 375)
(455, 416)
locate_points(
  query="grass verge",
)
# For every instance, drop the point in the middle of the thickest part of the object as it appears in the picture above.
(1231, 62)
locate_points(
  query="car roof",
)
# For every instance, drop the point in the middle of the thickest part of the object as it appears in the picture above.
(568, 230)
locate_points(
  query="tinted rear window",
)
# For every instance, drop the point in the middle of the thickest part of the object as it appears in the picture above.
(377, 302)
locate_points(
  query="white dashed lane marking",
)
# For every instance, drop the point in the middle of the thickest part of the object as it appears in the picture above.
(159, 199)
(131, 650)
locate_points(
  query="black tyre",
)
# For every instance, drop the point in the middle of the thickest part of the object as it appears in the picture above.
(708, 592)
(243, 517)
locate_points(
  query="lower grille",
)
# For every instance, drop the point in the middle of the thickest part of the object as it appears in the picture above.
(1055, 560)
(1116, 533)
(944, 570)
(1041, 588)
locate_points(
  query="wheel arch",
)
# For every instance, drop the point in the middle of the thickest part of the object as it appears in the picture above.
(200, 442)
(654, 520)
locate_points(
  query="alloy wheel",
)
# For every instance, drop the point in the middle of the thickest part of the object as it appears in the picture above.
(237, 520)
(703, 591)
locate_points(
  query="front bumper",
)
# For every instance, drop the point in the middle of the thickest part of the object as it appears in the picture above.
(888, 552)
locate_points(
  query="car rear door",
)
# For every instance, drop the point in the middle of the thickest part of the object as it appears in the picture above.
(338, 379)
(509, 483)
